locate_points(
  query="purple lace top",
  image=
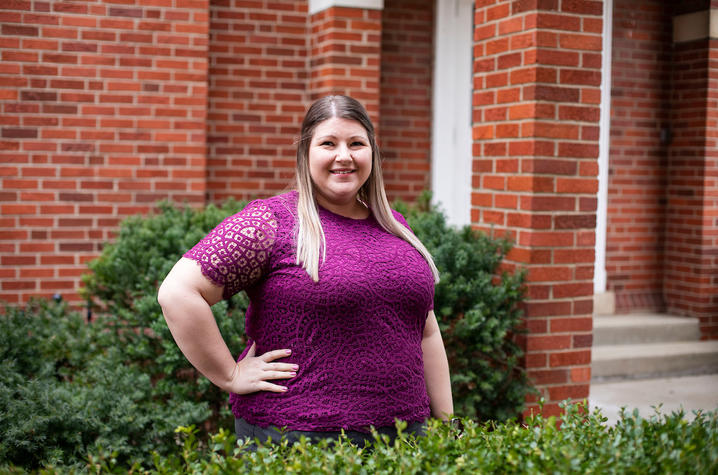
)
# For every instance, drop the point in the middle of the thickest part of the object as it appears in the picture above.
(356, 334)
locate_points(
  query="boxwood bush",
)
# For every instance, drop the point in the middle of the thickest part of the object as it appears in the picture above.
(576, 443)
(67, 390)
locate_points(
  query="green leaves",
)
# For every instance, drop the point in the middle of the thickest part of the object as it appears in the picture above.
(582, 444)
(68, 388)
(477, 307)
(69, 403)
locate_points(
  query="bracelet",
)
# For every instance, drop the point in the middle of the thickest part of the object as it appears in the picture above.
(456, 423)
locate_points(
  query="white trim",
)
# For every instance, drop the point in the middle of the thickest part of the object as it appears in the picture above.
(319, 5)
(692, 26)
(604, 144)
(451, 122)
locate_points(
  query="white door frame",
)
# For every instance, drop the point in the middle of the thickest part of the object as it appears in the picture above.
(452, 94)
(599, 270)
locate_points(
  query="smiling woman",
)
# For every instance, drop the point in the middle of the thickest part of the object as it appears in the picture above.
(342, 335)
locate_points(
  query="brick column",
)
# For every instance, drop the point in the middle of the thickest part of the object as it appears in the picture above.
(345, 50)
(537, 76)
(691, 244)
(103, 109)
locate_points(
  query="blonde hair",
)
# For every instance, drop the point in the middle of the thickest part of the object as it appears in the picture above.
(311, 243)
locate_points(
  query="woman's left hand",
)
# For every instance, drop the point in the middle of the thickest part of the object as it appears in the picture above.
(253, 373)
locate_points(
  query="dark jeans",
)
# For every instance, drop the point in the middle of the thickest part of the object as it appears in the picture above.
(246, 430)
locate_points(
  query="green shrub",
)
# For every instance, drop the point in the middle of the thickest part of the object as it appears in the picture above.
(123, 286)
(64, 394)
(583, 444)
(478, 311)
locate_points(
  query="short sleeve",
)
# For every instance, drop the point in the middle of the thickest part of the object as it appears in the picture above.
(236, 253)
(399, 217)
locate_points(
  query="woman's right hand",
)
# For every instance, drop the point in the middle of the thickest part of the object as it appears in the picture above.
(253, 373)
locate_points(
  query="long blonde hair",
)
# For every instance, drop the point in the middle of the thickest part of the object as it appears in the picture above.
(311, 243)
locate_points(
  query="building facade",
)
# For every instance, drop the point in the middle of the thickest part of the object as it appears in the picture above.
(590, 142)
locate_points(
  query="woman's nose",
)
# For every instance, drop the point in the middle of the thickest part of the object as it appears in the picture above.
(343, 152)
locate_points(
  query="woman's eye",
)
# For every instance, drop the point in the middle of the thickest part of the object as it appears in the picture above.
(357, 144)
(327, 143)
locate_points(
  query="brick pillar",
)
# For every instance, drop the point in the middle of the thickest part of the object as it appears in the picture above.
(691, 249)
(102, 114)
(345, 52)
(537, 76)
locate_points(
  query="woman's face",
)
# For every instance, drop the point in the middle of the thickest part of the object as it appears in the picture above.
(340, 161)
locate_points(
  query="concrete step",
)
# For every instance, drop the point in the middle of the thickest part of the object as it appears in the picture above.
(690, 393)
(650, 360)
(643, 328)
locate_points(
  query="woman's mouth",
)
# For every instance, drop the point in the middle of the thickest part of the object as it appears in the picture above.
(341, 172)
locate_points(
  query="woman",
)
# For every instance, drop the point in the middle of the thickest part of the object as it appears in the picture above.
(341, 331)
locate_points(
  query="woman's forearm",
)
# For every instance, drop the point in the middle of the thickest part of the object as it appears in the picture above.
(436, 371)
(192, 324)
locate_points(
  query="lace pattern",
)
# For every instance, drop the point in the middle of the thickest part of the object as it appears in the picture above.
(236, 253)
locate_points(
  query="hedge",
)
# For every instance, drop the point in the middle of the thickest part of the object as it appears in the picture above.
(583, 444)
(109, 396)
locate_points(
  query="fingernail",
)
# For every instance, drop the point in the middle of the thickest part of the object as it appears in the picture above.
(284, 389)
(295, 367)
(289, 352)
(292, 374)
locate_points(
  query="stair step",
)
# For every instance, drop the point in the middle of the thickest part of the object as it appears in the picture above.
(643, 328)
(647, 360)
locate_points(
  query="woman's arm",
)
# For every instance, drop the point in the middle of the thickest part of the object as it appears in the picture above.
(436, 370)
(185, 297)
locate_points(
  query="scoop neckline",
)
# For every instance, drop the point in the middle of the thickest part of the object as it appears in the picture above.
(369, 216)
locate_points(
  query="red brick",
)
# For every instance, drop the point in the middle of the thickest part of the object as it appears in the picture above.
(548, 203)
(548, 309)
(550, 166)
(549, 274)
(573, 290)
(544, 377)
(582, 341)
(585, 7)
(570, 358)
(547, 342)
(580, 375)
(573, 324)
(576, 391)
(580, 42)
(580, 77)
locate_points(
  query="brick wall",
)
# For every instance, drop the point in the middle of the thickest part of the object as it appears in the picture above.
(536, 110)
(108, 108)
(691, 271)
(406, 90)
(269, 60)
(640, 113)
(257, 95)
(103, 113)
